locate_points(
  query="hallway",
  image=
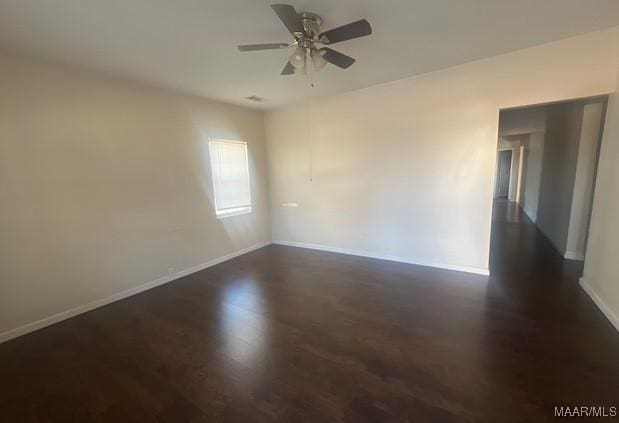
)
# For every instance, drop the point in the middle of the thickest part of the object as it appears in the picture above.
(526, 267)
(519, 248)
(290, 334)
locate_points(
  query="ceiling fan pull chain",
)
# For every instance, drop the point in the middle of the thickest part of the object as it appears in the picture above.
(309, 139)
(309, 67)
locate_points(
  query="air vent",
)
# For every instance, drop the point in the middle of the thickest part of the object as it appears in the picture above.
(257, 99)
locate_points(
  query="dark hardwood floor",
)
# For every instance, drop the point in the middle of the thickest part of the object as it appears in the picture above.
(292, 335)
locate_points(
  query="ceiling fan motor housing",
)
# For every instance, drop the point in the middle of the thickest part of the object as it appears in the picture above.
(311, 25)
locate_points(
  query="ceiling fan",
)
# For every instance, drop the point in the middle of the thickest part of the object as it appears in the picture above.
(305, 28)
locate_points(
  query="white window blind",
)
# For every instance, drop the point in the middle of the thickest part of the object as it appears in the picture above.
(230, 169)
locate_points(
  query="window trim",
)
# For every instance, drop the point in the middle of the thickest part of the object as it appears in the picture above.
(234, 211)
(237, 211)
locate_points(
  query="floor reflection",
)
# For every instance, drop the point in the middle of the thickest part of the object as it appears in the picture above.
(244, 328)
(507, 211)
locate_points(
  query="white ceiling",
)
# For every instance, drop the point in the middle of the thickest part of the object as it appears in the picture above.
(190, 45)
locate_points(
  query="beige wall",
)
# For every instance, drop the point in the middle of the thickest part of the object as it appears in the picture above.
(601, 274)
(105, 185)
(414, 182)
(584, 180)
(561, 144)
(561, 173)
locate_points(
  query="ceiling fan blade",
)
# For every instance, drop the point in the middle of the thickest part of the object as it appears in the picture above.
(254, 47)
(288, 69)
(289, 17)
(352, 30)
(337, 58)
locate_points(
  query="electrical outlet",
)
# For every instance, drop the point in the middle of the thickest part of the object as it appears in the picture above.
(171, 271)
(290, 205)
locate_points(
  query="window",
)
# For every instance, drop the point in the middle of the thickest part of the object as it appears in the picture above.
(230, 170)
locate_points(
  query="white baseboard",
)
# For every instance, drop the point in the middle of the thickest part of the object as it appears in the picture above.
(572, 255)
(47, 321)
(476, 270)
(610, 315)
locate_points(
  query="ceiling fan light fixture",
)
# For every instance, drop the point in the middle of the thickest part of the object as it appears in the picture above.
(297, 59)
(318, 61)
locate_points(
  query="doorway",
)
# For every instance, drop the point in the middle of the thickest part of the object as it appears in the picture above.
(504, 166)
(545, 177)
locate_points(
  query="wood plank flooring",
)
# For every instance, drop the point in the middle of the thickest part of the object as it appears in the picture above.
(293, 335)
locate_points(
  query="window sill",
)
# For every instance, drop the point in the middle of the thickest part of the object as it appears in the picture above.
(235, 212)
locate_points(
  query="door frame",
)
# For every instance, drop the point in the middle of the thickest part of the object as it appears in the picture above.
(496, 171)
